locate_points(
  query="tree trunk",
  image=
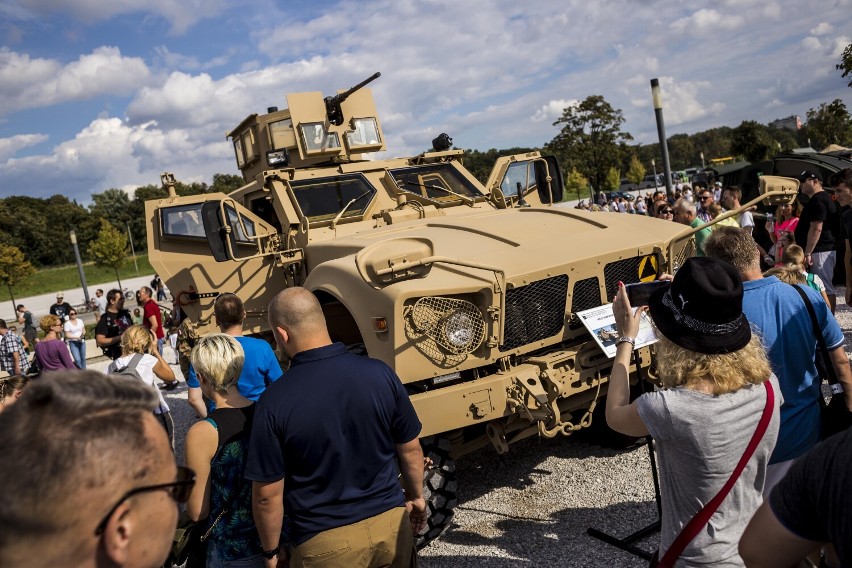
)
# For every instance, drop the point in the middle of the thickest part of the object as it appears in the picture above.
(11, 295)
(120, 287)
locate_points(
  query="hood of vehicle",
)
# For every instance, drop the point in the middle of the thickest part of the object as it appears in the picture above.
(519, 241)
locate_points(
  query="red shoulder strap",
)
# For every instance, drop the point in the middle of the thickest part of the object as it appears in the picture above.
(700, 520)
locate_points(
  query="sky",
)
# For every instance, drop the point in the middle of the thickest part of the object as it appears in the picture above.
(96, 94)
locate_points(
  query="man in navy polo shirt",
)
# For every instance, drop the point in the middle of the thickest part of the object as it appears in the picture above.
(325, 444)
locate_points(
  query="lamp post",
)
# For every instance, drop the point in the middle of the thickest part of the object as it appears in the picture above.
(132, 250)
(702, 160)
(654, 165)
(80, 266)
(661, 133)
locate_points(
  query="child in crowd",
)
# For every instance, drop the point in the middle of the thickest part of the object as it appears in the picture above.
(793, 254)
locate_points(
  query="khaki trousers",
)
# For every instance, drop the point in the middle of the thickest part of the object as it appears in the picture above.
(382, 541)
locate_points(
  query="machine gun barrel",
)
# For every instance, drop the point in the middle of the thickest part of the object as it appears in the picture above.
(332, 104)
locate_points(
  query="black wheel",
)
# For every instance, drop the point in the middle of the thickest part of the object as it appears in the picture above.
(439, 488)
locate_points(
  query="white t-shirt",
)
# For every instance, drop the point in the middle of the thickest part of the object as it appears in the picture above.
(73, 331)
(746, 219)
(101, 303)
(145, 368)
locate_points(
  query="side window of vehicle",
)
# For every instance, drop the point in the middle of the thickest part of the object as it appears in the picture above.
(518, 175)
(182, 221)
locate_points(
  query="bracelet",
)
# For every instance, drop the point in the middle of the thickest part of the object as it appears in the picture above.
(271, 553)
(625, 339)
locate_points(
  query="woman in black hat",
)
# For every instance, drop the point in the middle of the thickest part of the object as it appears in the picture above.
(714, 422)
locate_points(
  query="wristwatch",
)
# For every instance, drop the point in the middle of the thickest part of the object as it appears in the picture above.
(272, 553)
(625, 339)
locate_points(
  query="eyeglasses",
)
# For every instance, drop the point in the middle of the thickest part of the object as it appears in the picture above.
(178, 490)
(666, 212)
(704, 197)
(73, 314)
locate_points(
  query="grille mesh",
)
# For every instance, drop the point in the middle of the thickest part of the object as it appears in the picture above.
(535, 311)
(687, 251)
(429, 320)
(626, 271)
(587, 294)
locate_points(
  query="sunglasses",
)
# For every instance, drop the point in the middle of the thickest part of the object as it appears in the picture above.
(73, 314)
(178, 490)
(666, 212)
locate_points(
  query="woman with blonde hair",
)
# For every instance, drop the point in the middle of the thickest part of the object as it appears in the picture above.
(216, 449)
(139, 352)
(51, 352)
(714, 421)
(11, 389)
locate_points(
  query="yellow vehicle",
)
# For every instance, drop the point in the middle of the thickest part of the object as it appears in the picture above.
(468, 291)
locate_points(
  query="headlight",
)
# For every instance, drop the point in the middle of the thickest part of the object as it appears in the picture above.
(460, 331)
(455, 325)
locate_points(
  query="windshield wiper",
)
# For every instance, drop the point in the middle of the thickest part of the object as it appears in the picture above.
(467, 200)
(348, 205)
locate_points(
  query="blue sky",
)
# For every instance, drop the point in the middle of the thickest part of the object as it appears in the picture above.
(97, 94)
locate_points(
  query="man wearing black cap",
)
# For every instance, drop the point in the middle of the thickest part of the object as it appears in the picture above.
(817, 243)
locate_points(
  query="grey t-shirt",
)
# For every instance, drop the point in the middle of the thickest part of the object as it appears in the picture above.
(699, 440)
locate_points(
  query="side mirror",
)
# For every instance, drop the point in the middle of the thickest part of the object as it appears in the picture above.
(778, 190)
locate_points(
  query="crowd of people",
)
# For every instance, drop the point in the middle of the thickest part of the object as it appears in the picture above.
(62, 342)
(279, 473)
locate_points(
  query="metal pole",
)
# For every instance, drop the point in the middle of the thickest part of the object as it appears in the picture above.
(654, 165)
(702, 160)
(132, 251)
(80, 266)
(661, 133)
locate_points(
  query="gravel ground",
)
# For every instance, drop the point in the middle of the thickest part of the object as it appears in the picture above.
(532, 507)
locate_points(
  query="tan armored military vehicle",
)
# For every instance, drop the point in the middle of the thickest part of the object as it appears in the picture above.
(468, 291)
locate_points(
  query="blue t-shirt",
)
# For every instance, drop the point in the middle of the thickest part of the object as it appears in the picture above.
(260, 368)
(787, 333)
(329, 429)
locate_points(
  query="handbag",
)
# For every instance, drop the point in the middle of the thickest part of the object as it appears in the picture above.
(700, 520)
(834, 416)
(189, 544)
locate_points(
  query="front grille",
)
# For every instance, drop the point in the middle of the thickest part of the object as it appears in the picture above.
(626, 271)
(587, 294)
(535, 311)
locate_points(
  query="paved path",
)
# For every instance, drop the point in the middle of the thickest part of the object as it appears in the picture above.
(40, 305)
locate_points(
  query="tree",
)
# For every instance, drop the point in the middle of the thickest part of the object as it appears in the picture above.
(845, 64)
(14, 267)
(636, 171)
(612, 181)
(575, 183)
(752, 141)
(590, 138)
(829, 124)
(110, 248)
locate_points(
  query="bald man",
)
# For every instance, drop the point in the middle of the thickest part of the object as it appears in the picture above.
(328, 443)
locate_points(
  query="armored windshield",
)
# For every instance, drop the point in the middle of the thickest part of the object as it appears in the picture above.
(323, 198)
(438, 182)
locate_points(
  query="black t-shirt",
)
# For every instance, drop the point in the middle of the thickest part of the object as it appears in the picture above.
(61, 310)
(846, 224)
(113, 325)
(813, 500)
(819, 208)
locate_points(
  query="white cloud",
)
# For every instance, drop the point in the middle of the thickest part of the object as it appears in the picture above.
(553, 110)
(707, 21)
(10, 146)
(823, 28)
(180, 13)
(31, 83)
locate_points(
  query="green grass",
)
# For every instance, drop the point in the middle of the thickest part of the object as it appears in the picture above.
(50, 280)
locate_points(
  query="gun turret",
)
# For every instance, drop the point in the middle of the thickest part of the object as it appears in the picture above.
(332, 104)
